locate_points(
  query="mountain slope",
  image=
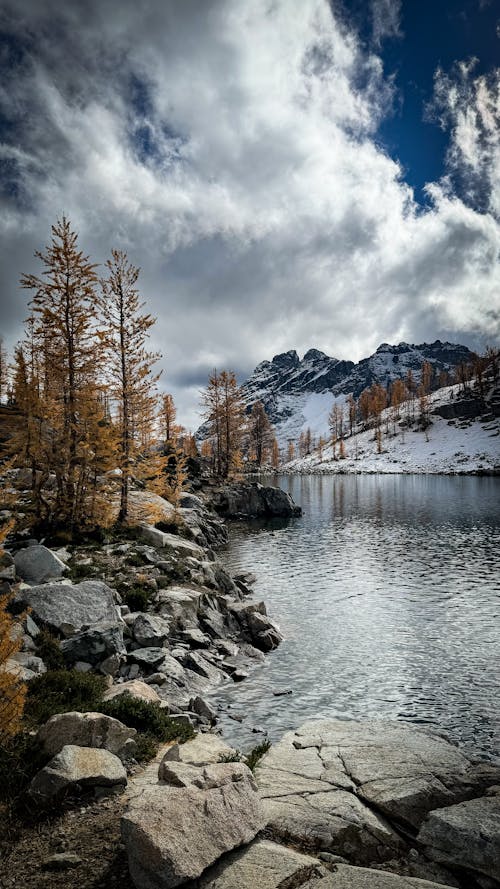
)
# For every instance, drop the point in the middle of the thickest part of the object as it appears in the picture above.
(298, 394)
(454, 442)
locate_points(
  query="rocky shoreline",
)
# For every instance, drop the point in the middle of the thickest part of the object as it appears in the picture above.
(334, 804)
(158, 615)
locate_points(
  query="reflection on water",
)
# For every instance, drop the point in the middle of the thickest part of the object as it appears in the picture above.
(388, 593)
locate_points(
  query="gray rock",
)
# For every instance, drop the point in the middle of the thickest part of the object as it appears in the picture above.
(191, 501)
(346, 877)
(181, 605)
(466, 835)
(85, 730)
(401, 770)
(30, 662)
(23, 674)
(62, 861)
(136, 689)
(150, 630)
(95, 644)
(31, 627)
(195, 637)
(163, 540)
(7, 566)
(254, 500)
(36, 564)
(199, 705)
(262, 865)
(148, 657)
(68, 608)
(111, 665)
(199, 664)
(172, 834)
(201, 750)
(77, 767)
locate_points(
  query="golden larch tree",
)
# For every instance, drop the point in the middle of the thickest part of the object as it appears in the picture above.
(129, 372)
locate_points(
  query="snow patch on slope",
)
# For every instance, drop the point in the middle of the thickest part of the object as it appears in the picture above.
(447, 447)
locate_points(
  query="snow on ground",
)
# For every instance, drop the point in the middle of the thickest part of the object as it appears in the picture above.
(447, 447)
(307, 411)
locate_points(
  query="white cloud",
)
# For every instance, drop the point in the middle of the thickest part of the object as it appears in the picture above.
(386, 15)
(262, 210)
(469, 106)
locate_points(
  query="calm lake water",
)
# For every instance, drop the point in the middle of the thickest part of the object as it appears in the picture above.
(388, 593)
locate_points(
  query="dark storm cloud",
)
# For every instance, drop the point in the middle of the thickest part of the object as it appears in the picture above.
(229, 147)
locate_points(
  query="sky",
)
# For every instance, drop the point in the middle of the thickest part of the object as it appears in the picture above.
(288, 174)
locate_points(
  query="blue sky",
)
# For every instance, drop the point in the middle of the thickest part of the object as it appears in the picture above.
(286, 173)
(431, 35)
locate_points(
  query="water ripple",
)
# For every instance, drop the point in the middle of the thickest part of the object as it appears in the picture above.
(388, 593)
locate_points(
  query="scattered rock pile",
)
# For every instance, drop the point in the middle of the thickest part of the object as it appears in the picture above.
(158, 614)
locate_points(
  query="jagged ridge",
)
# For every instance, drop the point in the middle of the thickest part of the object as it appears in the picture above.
(297, 393)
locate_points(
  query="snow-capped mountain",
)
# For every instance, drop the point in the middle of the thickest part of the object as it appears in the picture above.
(298, 394)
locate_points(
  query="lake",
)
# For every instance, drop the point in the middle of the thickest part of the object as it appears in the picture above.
(387, 591)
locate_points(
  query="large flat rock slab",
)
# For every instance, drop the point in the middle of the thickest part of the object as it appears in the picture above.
(173, 834)
(466, 835)
(342, 786)
(346, 877)
(262, 865)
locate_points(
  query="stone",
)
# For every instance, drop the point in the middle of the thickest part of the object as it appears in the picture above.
(163, 540)
(77, 767)
(199, 706)
(23, 674)
(195, 637)
(173, 834)
(254, 500)
(401, 770)
(150, 630)
(191, 501)
(95, 644)
(181, 605)
(36, 564)
(85, 730)
(7, 566)
(466, 835)
(346, 877)
(148, 657)
(265, 633)
(136, 689)
(199, 664)
(111, 665)
(31, 627)
(67, 607)
(62, 861)
(262, 865)
(29, 661)
(201, 750)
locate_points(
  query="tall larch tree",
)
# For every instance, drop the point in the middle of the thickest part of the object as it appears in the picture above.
(224, 413)
(260, 432)
(63, 336)
(129, 368)
(168, 416)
